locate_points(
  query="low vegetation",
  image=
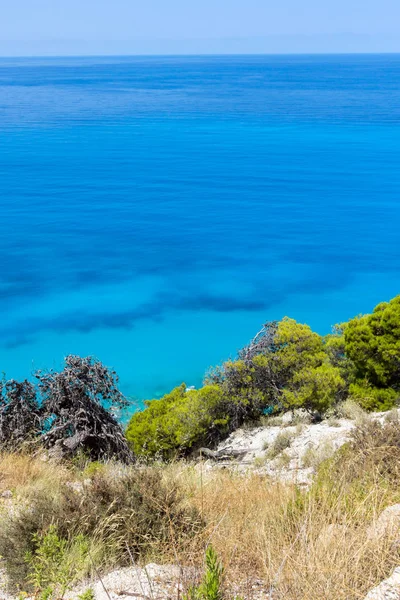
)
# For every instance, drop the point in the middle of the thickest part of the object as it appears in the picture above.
(313, 544)
(78, 497)
(69, 520)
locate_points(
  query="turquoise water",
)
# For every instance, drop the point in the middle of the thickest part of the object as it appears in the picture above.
(156, 211)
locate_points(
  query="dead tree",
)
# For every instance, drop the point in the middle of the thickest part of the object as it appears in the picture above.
(77, 410)
(20, 414)
(263, 342)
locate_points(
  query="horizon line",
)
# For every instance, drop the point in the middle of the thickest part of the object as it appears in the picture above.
(200, 54)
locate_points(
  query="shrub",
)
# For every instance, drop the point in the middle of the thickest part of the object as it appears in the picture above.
(121, 508)
(370, 458)
(211, 586)
(20, 415)
(56, 564)
(313, 388)
(77, 406)
(372, 342)
(292, 371)
(87, 595)
(179, 422)
(350, 409)
(70, 411)
(286, 366)
(372, 398)
(282, 441)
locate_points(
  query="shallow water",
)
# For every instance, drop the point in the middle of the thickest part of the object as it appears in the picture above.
(156, 211)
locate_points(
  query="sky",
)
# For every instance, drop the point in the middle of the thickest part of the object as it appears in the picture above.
(75, 27)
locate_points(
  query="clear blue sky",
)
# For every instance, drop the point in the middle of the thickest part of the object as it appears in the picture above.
(43, 27)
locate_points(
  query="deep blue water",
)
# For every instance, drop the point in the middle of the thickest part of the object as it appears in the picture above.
(156, 211)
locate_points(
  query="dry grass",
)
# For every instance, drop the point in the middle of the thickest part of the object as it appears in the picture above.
(306, 545)
(18, 470)
(274, 532)
(350, 409)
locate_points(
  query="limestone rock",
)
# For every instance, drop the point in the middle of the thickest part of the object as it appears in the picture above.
(388, 589)
(387, 524)
(7, 494)
(152, 582)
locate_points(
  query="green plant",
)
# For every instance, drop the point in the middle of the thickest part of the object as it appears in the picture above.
(282, 441)
(350, 409)
(290, 370)
(373, 398)
(211, 586)
(123, 506)
(372, 342)
(56, 563)
(87, 595)
(92, 468)
(179, 422)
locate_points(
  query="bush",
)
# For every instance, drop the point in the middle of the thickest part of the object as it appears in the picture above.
(211, 586)
(120, 509)
(372, 398)
(56, 564)
(286, 366)
(372, 342)
(293, 371)
(282, 441)
(314, 388)
(180, 422)
(350, 409)
(20, 414)
(370, 459)
(69, 412)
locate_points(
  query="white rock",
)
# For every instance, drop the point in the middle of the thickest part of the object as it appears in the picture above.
(153, 582)
(257, 441)
(322, 437)
(387, 524)
(388, 589)
(7, 494)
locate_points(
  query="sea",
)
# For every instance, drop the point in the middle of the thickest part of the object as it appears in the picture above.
(157, 211)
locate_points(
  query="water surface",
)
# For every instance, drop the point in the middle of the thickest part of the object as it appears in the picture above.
(156, 211)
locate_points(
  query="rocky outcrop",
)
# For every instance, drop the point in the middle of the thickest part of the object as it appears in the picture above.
(258, 449)
(289, 452)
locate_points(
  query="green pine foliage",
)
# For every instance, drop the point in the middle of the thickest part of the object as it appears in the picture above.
(287, 366)
(372, 344)
(178, 421)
